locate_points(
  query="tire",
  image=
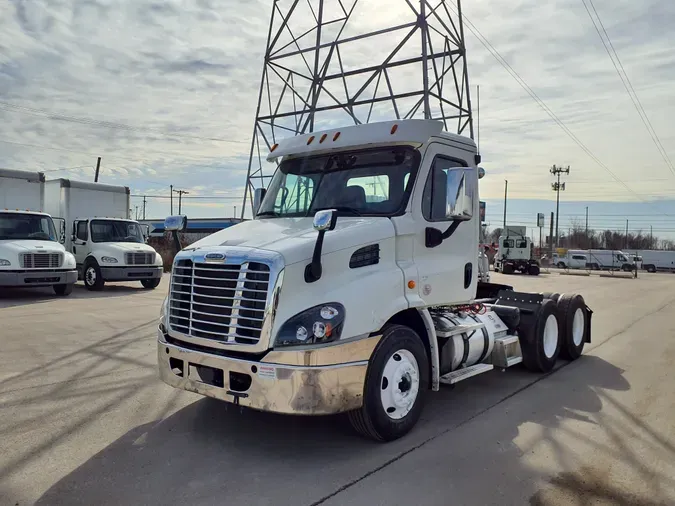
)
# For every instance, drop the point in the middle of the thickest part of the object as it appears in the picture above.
(151, 284)
(561, 265)
(551, 295)
(91, 273)
(650, 268)
(533, 270)
(540, 343)
(572, 317)
(381, 422)
(507, 269)
(63, 290)
(595, 267)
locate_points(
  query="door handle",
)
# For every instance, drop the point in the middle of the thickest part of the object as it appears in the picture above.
(74, 250)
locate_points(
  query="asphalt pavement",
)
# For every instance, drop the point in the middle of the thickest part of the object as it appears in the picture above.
(84, 419)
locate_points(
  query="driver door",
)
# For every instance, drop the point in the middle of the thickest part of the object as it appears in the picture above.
(80, 241)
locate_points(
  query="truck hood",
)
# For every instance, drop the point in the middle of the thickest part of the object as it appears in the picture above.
(294, 238)
(23, 245)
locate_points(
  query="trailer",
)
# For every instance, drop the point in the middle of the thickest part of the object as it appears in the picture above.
(31, 253)
(107, 245)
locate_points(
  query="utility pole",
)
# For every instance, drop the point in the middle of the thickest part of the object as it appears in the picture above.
(651, 237)
(136, 212)
(171, 186)
(625, 243)
(478, 118)
(557, 186)
(587, 240)
(98, 167)
(144, 204)
(180, 197)
(506, 188)
(550, 239)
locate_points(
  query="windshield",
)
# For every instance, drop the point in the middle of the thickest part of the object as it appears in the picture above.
(373, 182)
(115, 231)
(15, 226)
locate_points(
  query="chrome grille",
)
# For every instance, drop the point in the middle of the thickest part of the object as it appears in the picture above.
(222, 302)
(139, 258)
(41, 260)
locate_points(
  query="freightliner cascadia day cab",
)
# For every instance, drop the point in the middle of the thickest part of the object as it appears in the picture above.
(107, 245)
(355, 287)
(30, 252)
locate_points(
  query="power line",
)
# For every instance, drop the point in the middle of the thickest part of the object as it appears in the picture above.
(500, 59)
(628, 85)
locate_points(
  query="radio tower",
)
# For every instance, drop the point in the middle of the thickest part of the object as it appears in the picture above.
(337, 62)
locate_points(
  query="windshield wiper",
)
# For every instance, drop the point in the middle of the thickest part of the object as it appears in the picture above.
(268, 213)
(341, 209)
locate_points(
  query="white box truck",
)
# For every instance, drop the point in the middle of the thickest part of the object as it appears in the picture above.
(331, 301)
(107, 245)
(596, 259)
(30, 252)
(654, 260)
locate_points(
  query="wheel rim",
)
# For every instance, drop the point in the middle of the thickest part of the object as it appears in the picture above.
(550, 336)
(90, 276)
(400, 384)
(578, 327)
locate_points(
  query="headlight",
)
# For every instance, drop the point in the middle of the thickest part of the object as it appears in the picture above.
(316, 325)
(5, 263)
(109, 260)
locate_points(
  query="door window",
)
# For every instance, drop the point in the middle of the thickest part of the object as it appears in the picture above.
(435, 198)
(81, 232)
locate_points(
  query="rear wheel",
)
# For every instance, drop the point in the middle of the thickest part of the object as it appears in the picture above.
(64, 289)
(507, 269)
(151, 283)
(551, 295)
(533, 270)
(396, 383)
(572, 315)
(540, 343)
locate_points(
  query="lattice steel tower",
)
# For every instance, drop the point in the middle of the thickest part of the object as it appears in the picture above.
(331, 63)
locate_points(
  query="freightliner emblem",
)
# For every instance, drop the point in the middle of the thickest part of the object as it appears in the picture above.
(214, 257)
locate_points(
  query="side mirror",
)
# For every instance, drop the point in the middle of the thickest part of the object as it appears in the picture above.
(258, 197)
(175, 223)
(481, 172)
(460, 192)
(325, 220)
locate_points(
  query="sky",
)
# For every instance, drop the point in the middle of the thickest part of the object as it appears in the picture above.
(165, 92)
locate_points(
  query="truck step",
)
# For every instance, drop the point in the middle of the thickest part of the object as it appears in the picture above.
(461, 374)
(506, 352)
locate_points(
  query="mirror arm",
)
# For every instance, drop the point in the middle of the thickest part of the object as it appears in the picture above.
(434, 237)
(451, 230)
(313, 269)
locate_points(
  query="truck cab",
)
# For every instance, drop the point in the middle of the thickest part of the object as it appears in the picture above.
(31, 254)
(355, 288)
(514, 254)
(113, 249)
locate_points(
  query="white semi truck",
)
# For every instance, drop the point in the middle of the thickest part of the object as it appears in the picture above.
(514, 254)
(107, 245)
(30, 252)
(332, 300)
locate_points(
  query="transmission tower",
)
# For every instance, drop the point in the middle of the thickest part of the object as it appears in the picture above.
(339, 62)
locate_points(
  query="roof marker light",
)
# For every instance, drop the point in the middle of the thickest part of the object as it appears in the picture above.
(393, 129)
(274, 147)
(336, 136)
(323, 138)
(310, 140)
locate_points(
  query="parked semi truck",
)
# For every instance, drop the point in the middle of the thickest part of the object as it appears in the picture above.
(30, 252)
(333, 301)
(514, 254)
(107, 245)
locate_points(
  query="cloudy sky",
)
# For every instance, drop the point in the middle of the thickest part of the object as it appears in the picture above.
(166, 93)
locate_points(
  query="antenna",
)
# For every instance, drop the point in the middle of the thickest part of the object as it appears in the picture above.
(314, 75)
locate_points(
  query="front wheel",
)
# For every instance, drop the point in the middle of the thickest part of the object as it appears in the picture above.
(63, 290)
(93, 279)
(396, 383)
(151, 283)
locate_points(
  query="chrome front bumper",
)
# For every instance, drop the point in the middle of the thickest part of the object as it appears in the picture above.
(308, 382)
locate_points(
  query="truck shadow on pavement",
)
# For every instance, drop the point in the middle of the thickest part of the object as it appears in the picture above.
(16, 297)
(210, 452)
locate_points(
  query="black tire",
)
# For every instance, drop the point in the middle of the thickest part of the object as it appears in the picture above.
(650, 268)
(91, 274)
(533, 270)
(561, 265)
(63, 290)
(535, 357)
(568, 306)
(595, 267)
(551, 295)
(151, 284)
(372, 419)
(507, 269)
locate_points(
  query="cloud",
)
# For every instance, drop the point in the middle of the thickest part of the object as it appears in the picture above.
(148, 86)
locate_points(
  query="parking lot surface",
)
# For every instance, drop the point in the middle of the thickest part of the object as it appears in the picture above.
(84, 419)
